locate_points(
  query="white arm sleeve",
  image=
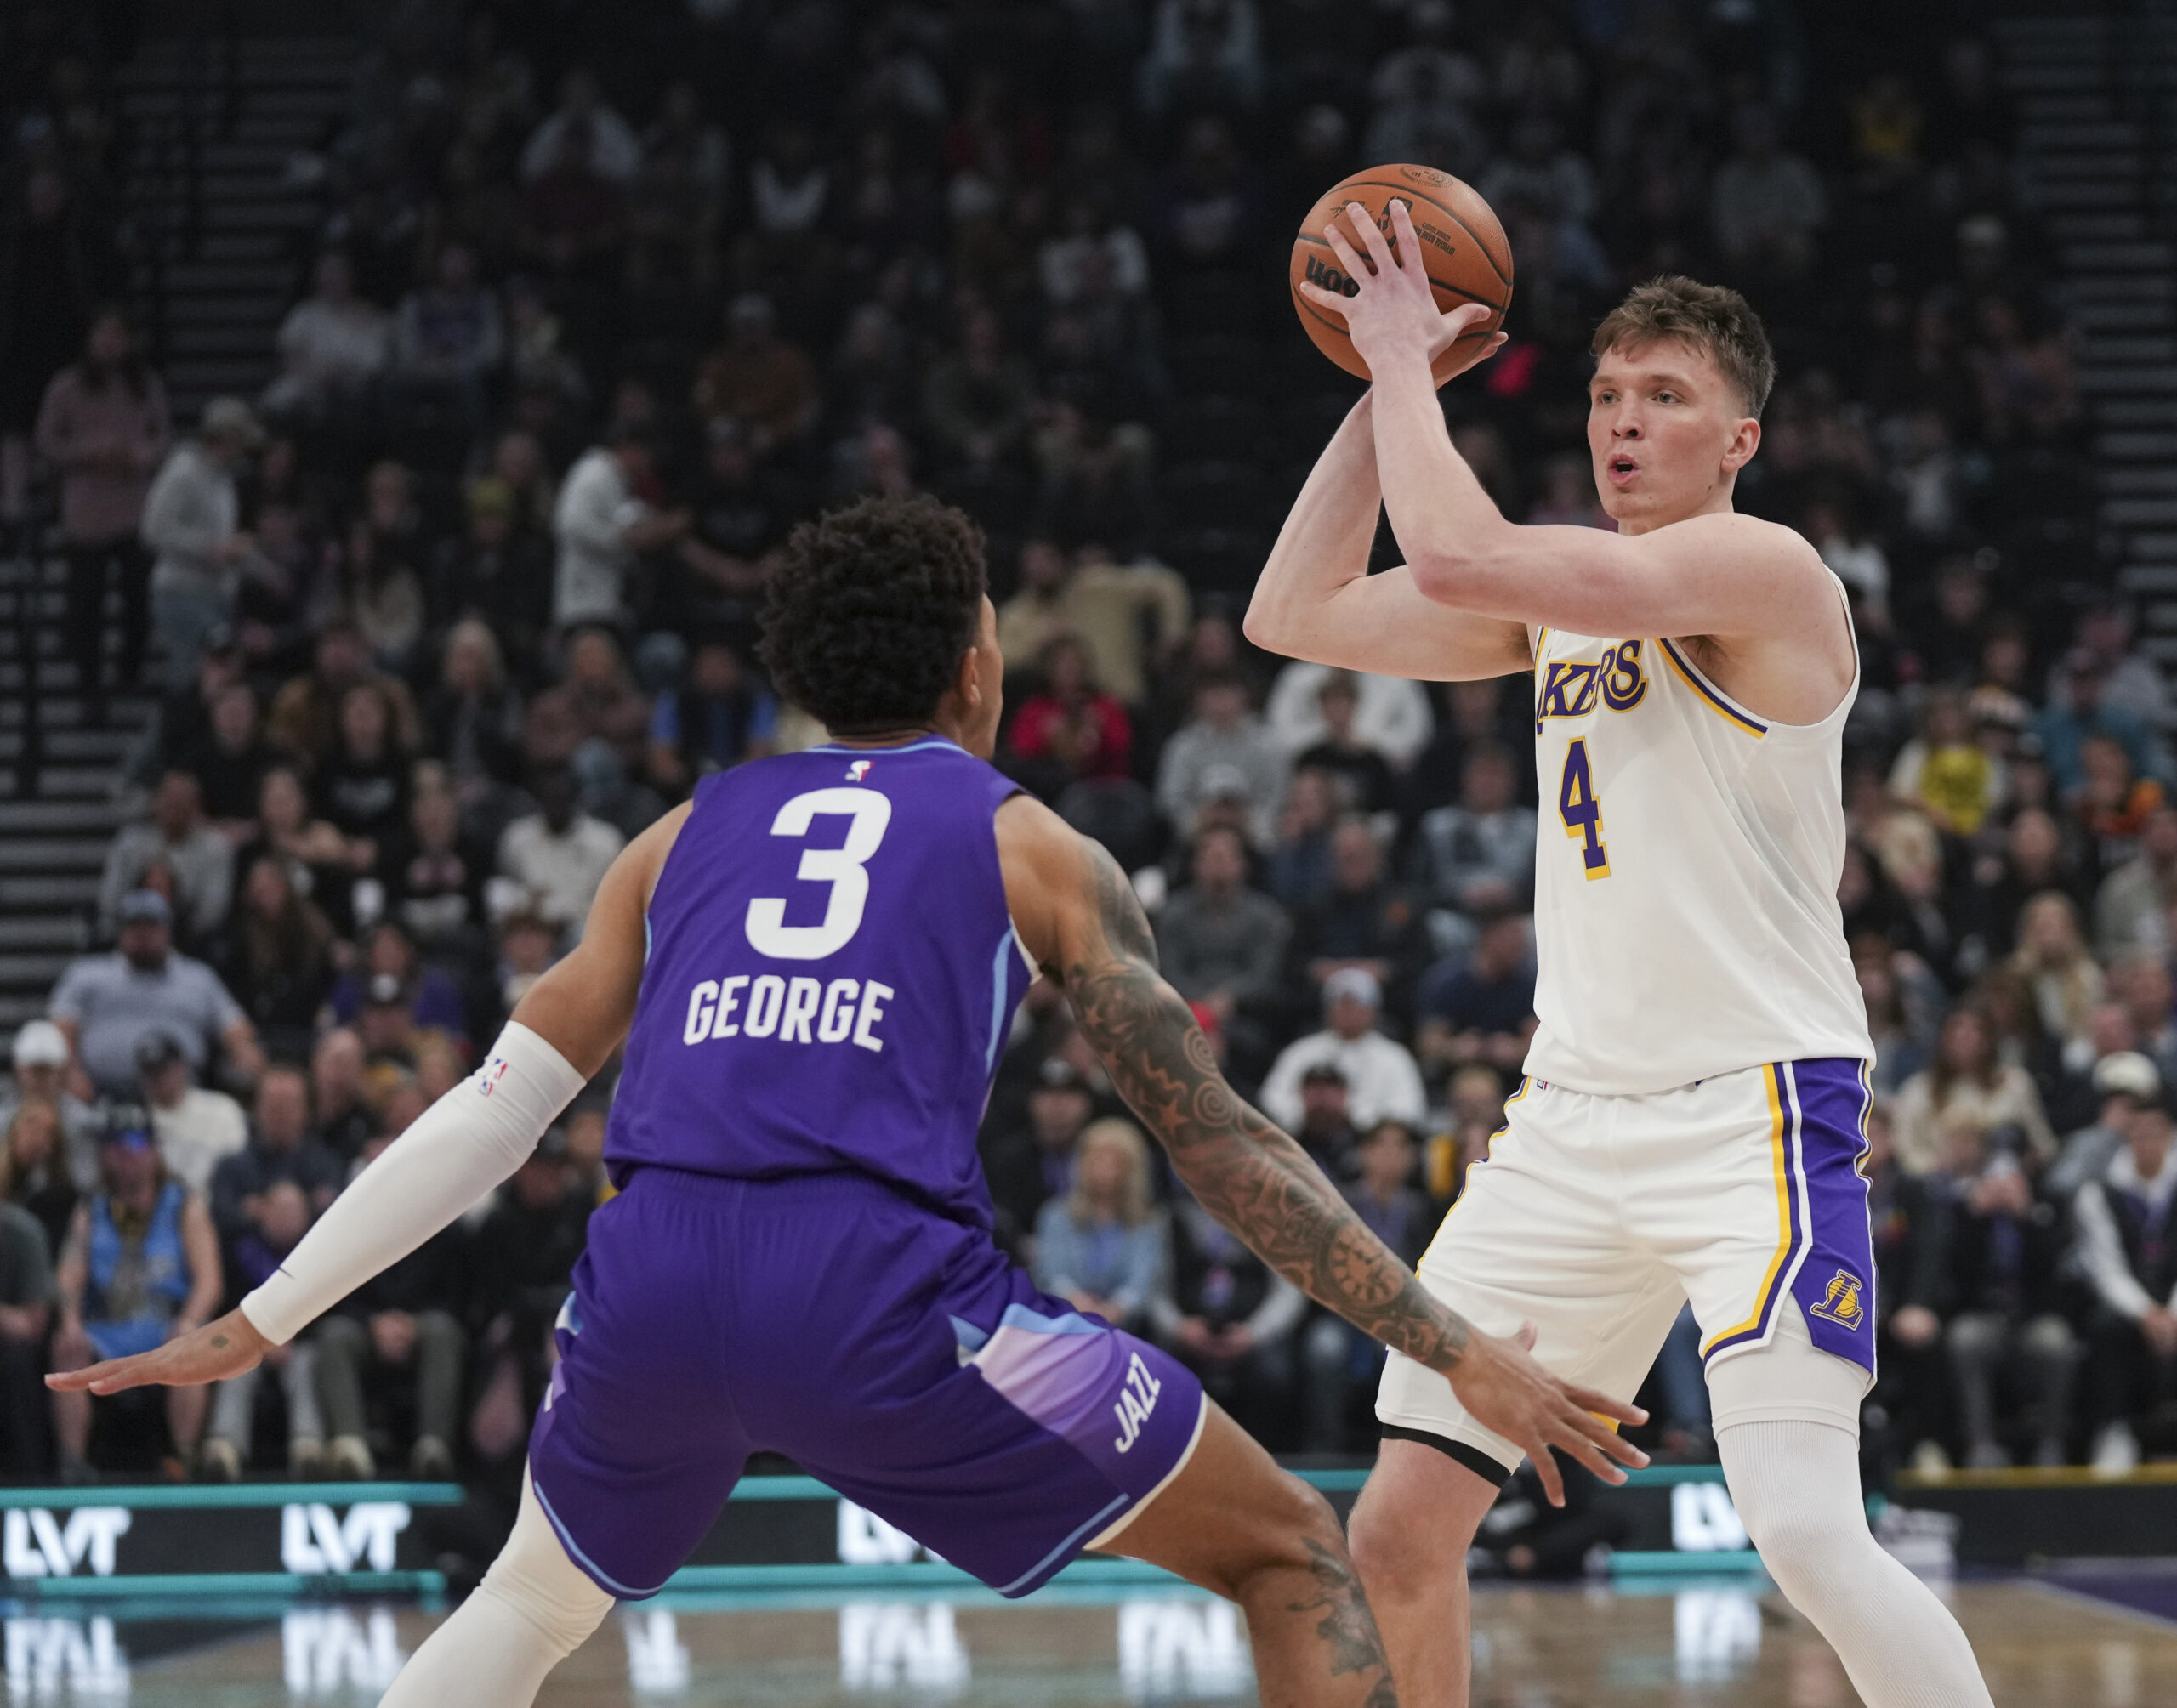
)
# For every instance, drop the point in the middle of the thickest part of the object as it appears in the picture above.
(465, 1145)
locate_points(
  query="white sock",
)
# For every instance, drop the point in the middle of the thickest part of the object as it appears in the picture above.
(1797, 1488)
(534, 1608)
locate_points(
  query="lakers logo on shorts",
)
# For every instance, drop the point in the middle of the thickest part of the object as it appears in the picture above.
(1841, 1304)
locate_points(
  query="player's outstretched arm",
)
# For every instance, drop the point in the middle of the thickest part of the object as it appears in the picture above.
(465, 1145)
(1080, 919)
(1316, 600)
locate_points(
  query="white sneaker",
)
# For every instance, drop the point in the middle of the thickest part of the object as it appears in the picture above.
(2116, 1451)
(348, 1459)
(219, 1460)
(1929, 1460)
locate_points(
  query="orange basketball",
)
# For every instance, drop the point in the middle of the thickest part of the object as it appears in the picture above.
(1468, 260)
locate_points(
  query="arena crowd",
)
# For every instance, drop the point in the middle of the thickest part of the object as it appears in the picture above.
(467, 596)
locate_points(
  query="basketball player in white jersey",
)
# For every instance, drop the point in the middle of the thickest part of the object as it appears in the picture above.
(1691, 1123)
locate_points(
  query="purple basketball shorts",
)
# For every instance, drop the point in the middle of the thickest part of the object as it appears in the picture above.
(893, 1354)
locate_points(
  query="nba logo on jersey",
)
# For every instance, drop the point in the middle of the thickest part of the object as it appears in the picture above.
(1841, 1303)
(858, 771)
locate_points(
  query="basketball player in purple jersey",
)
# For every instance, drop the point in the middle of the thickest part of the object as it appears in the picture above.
(815, 964)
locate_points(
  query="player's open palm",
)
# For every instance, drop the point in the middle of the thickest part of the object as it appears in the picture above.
(1390, 309)
(225, 1347)
(1505, 1390)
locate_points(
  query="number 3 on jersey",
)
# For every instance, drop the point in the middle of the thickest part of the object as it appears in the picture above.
(1582, 812)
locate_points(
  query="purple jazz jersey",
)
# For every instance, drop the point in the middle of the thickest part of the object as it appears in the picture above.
(800, 1259)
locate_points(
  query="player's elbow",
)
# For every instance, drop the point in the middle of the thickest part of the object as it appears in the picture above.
(1261, 625)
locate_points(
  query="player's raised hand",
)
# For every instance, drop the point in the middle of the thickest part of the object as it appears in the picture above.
(1391, 311)
(1506, 1391)
(225, 1347)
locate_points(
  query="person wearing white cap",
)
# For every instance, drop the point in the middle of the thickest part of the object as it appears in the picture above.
(1382, 1081)
(40, 1055)
(2123, 1080)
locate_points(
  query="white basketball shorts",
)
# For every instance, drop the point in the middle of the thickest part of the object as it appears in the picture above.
(1595, 1218)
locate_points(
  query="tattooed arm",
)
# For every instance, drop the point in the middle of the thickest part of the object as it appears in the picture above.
(1077, 914)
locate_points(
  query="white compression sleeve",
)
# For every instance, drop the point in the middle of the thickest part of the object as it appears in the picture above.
(465, 1145)
(1797, 1488)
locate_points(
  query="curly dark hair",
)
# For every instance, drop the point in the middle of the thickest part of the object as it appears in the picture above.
(870, 609)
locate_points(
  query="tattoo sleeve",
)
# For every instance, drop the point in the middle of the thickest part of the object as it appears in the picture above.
(1242, 1169)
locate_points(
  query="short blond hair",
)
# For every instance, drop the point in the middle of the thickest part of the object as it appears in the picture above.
(1114, 1133)
(1714, 318)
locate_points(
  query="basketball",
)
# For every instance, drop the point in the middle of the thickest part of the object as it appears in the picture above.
(1468, 259)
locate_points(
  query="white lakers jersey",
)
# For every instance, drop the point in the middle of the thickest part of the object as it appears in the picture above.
(1685, 918)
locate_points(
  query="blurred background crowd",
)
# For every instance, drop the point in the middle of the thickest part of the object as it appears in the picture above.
(603, 300)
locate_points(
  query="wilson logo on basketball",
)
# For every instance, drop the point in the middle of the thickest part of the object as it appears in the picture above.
(1421, 175)
(1330, 279)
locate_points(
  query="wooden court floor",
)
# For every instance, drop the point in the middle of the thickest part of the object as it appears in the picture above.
(1710, 1644)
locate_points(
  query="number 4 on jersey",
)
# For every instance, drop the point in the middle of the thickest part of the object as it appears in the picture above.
(1580, 811)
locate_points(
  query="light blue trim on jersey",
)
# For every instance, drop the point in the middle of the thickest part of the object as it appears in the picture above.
(574, 1550)
(1072, 1322)
(1070, 1543)
(997, 1001)
(971, 1338)
(872, 752)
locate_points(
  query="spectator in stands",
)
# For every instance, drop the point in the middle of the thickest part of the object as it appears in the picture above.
(26, 1299)
(976, 402)
(720, 719)
(401, 1328)
(1393, 716)
(1070, 730)
(448, 340)
(304, 721)
(281, 1150)
(2128, 1243)
(141, 1266)
(1767, 204)
(255, 1252)
(1367, 922)
(1325, 1130)
(191, 523)
(607, 143)
(1222, 944)
(1364, 777)
(2142, 983)
(1900, 1020)
(1301, 865)
(1341, 1361)
(197, 1127)
(107, 1004)
(2122, 1080)
(1478, 855)
(1033, 1163)
(603, 525)
(757, 378)
(345, 1120)
(555, 857)
(1382, 1078)
(200, 861)
(1224, 742)
(1969, 1084)
(334, 347)
(499, 573)
(2131, 681)
(2052, 956)
(229, 762)
(103, 428)
(2065, 725)
(1102, 1247)
(378, 589)
(1227, 1317)
(2131, 909)
(1480, 1008)
(430, 993)
(440, 886)
(1126, 614)
(40, 1057)
(523, 1254)
(277, 957)
(2001, 1245)
(473, 715)
(1943, 771)
(34, 1167)
(361, 789)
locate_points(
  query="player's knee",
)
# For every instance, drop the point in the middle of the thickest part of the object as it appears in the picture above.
(1294, 1530)
(1397, 1548)
(534, 1576)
